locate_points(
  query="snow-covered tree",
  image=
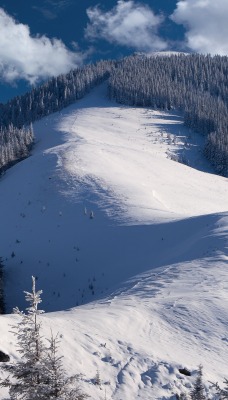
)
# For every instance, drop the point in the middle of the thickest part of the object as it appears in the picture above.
(27, 376)
(59, 386)
(97, 380)
(198, 392)
(15, 144)
(39, 374)
(222, 393)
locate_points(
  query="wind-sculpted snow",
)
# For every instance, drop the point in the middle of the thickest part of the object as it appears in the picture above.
(129, 247)
(121, 153)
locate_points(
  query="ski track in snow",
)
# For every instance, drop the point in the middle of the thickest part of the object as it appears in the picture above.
(149, 271)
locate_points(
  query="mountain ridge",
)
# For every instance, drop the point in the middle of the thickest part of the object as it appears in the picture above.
(140, 289)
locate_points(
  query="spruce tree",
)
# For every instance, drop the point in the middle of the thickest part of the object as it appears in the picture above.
(97, 380)
(27, 375)
(225, 390)
(39, 374)
(59, 386)
(223, 393)
(198, 390)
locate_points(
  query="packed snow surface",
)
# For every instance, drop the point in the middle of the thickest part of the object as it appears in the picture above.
(129, 247)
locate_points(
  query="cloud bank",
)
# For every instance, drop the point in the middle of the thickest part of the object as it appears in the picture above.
(206, 24)
(128, 24)
(31, 58)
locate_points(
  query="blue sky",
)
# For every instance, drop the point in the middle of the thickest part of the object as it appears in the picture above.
(42, 38)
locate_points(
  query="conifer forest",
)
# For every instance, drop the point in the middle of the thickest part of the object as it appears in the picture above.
(196, 85)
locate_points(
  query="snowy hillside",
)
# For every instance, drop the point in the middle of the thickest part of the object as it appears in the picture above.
(148, 270)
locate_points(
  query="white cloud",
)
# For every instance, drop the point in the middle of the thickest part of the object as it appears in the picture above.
(48, 14)
(59, 4)
(25, 57)
(129, 24)
(51, 8)
(206, 24)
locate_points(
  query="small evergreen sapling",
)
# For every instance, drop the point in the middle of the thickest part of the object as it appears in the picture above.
(59, 386)
(223, 393)
(97, 380)
(27, 375)
(39, 374)
(198, 390)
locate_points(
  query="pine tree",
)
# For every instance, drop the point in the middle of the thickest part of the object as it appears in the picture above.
(59, 386)
(39, 374)
(28, 377)
(97, 380)
(198, 390)
(223, 393)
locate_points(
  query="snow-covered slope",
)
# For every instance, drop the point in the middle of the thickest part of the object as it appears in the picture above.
(150, 267)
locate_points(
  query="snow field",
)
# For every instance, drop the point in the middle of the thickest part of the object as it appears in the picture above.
(148, 272)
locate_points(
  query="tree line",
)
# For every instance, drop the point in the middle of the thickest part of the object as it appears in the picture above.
(15, 144)
(195, 84)
(16, 116)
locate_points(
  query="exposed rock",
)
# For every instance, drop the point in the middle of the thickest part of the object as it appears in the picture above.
(185, 371)
(4, 357)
